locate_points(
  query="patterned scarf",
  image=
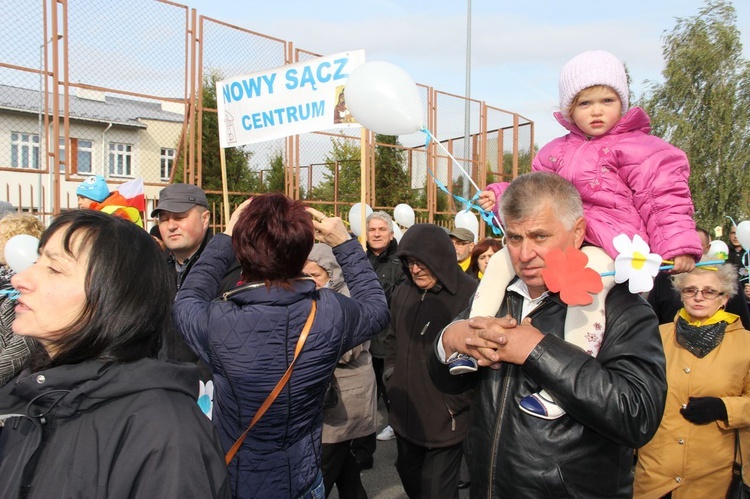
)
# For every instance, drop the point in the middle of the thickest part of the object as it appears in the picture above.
(700, 340)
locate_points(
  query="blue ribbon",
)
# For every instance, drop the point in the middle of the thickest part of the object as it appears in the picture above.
(11, 293)
(487, 216)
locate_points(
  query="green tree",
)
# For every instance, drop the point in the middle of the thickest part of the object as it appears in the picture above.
(344, 157)
(703, 107)
(274, 179)
(392, 182)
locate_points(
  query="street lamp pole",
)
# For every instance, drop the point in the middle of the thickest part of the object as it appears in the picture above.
(40, 127)
(467, 106)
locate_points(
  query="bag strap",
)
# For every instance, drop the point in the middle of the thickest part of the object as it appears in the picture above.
(737, 448)
(279, 386)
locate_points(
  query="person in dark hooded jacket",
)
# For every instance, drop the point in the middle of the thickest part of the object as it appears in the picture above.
(95, 414)
(430, 426)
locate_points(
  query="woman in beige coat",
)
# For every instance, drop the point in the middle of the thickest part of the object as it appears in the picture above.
(708, 372)
(353, 416)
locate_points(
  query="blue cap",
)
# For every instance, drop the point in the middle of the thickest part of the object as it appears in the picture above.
(94, 188)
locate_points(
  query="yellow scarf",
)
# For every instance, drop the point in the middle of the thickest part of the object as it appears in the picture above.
(720, 315)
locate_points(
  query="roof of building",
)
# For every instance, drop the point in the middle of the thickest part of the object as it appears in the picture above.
(115, 110)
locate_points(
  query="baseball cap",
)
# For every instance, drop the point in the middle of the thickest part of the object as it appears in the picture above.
(463, 234)
(180, 197)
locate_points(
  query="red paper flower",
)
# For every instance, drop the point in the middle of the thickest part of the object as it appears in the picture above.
(566, 273)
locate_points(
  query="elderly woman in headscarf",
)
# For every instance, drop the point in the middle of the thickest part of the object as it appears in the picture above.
(353, 414)
(708, 402)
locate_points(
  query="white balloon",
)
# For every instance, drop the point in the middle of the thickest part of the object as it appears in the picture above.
(467, 220)
(21, 252)
(355, 217)
(403, 214)
(718, 250)
(397, 234)
(383, 98)
(743, 234)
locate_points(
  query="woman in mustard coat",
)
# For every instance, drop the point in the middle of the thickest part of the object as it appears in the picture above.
(708, 372)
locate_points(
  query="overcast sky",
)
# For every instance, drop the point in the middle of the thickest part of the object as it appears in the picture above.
(518, 48)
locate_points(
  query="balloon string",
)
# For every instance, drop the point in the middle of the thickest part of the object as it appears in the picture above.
(667, 267)
(12, 294)
(489, 217)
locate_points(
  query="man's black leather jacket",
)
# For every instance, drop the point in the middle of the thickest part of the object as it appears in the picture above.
(614, 403)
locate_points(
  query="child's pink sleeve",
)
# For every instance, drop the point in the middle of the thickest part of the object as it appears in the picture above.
(662, 197)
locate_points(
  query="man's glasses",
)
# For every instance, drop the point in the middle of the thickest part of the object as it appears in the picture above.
(708, 293)
(410, 262)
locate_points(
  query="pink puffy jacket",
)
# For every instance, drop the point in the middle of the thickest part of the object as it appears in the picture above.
(630, 182)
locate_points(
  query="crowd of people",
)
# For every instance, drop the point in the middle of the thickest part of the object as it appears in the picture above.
(251, 363)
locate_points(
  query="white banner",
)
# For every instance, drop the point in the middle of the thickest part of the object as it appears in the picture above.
(299, 98)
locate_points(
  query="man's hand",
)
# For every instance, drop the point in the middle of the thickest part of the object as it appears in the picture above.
(491, 340)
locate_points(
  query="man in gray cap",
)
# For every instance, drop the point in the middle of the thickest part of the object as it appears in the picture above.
(183, 217)
(463, 241)
(182, 212)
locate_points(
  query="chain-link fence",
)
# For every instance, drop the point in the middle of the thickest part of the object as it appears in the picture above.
(128, 91)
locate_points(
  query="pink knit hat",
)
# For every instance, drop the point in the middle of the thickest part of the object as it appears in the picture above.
(587, 69)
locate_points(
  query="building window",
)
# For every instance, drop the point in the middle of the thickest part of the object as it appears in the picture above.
(167, 162)
(24, 150)
(81, 151)
(120, 160)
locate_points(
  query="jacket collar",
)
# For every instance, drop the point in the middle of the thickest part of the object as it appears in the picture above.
(257, 293)
(635, 119)
(73, 388)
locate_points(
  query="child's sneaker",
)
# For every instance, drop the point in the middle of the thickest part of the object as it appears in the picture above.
(541, 405)
(461, 363)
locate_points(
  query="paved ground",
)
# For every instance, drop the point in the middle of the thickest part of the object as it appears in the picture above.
(382, 481)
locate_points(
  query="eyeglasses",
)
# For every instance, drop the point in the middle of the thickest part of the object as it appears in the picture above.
(457, 242)
(410, 262)
(708, 293)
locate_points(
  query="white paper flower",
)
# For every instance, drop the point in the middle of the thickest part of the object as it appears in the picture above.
(635, 263)
(206, 397)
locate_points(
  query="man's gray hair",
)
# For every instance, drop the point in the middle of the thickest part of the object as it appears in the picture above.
(726, 273)
(528, 192)
(380, 215)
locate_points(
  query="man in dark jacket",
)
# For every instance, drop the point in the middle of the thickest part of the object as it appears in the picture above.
(183, 216)
(381, 252)
(614, 402)
(430, 426)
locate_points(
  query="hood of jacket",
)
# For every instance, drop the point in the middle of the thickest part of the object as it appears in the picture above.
(431, 245)
(322, 254)
(635, 119)
(80, 387)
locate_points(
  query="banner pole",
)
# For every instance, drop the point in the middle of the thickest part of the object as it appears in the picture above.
(363, 185)
(224, 190)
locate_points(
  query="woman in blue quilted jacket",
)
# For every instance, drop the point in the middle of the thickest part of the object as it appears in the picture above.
(248, 338)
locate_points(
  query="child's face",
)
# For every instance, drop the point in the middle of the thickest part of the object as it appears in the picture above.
(597, 110)
(84, 203)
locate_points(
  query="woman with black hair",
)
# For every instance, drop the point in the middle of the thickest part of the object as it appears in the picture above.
(96, 414)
